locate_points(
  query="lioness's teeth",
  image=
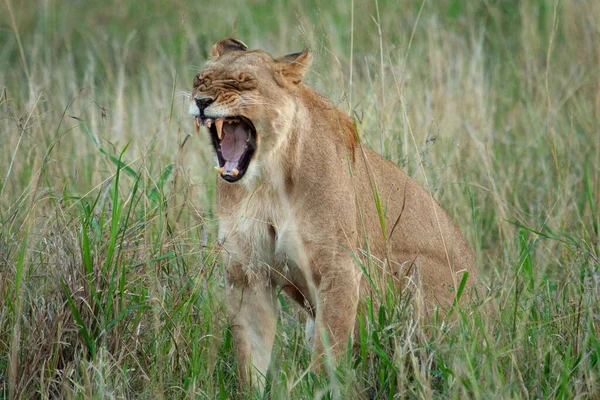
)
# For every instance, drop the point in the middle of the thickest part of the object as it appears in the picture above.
(209, 123)
(219, 125)
(235, 172)
(196, 125)
(220, 170)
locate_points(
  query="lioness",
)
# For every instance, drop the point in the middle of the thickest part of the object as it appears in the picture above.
(297, 210)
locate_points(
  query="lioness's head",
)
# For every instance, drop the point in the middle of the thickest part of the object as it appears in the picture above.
(245, 99)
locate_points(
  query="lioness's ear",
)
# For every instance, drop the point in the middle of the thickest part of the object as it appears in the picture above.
(293, 66)
(227, 45)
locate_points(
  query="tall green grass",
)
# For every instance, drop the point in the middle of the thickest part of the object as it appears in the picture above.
(110, 280)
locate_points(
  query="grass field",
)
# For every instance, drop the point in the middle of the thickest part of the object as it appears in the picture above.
(110, 281)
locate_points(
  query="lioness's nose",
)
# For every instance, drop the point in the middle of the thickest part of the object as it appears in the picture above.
(203, 103)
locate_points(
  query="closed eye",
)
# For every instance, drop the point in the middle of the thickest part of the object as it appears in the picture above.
(233, 84)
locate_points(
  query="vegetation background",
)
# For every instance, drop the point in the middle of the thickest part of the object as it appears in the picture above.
(110, 284)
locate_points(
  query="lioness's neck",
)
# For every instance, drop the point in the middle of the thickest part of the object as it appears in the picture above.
(328, 122)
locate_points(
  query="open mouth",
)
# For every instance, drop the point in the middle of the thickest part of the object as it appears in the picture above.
(234, 140)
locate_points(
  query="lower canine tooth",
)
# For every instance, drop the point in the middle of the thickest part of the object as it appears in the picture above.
(235, 172)
(220, 170)
(219, 125)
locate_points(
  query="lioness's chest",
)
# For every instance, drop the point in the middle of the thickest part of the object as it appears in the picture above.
(261, 231)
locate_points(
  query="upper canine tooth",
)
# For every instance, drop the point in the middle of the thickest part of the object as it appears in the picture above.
(219, 125)
(196, 125)
(209, 123)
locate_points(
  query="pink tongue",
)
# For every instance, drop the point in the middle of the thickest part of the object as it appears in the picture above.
(234, 142)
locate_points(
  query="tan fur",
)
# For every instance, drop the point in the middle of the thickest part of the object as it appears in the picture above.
(306, 208)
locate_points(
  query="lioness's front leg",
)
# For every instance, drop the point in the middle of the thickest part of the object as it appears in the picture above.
(252, 315)
(338, 297)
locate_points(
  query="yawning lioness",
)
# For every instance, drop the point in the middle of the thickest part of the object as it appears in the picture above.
(297, 206)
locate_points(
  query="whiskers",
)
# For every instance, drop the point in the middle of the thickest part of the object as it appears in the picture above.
(183, 94)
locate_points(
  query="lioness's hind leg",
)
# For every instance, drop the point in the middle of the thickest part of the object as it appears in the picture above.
(253, 319)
